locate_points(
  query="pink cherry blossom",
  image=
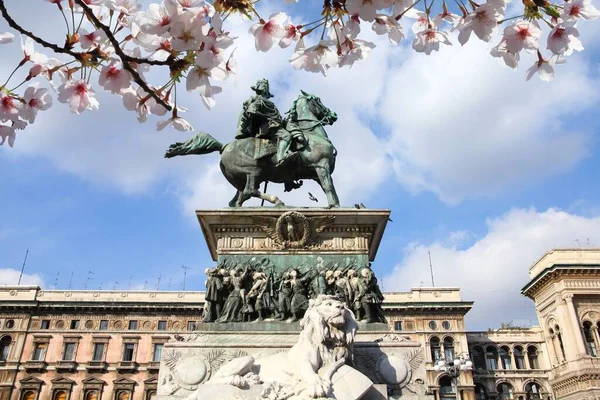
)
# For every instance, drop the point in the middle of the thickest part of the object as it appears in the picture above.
(386, 25)
(9, 107)
(510, 59)
(266, 33)
(422, 22)
(126, 7)
(354, 50)
(29, 53)
(7, 132)
(563, 39)
(352, 27)
(89, 39)
(177, 122)
(213, 46)
(445, 15)
(114, 78)
(157, 20)
(575, 9)
(186, 4)
(544, 68)
(483, 21)
(78, 95)
(522, 35)
(366, 9)
(318, 58)
(6, 37)
(187, 32)
(198, 79)
(429, 40)
(292, 34)
(35, 99)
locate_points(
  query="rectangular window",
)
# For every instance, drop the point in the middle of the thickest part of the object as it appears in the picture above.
(157, 352)
(128, 349)
(449, 353)
(74, 324)
(45, 324)
(103, 325)
(39, 351)
(69, 352)
(191, 326)
(397, 325)
(492, 363)
(162, 325)
(132, 325)
(98, 354)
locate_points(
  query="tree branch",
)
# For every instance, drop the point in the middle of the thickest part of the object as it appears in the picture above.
(57, 49)
(124, 57)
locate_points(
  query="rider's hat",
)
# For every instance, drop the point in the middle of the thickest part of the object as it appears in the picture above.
(266, 92)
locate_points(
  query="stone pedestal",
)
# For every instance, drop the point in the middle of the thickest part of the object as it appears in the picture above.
(273, 241)
(392, 362)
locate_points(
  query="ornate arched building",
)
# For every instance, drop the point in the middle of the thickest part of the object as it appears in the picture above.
(105, 345)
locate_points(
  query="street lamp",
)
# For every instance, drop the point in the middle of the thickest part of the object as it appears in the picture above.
(453, 368)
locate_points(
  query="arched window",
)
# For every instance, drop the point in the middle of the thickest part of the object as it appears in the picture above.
(124, 395)
(532, 355)
(92, 395)
(491, 356)
(478, 357)
(5, 347)
(505, 357)
(590, 343)
(150, 394)
(28, 395)
(449, 349)
(446, 389)
(533, 391)
(519, 357)
(505, 391)
(60, 395)
(436, 350)
(480, 392)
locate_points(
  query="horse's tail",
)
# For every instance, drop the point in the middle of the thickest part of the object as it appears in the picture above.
(202, 143)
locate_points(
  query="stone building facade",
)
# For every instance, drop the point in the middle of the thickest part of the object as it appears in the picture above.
(106, 345)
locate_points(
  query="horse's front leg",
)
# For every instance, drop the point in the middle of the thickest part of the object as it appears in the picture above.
(326, 182)
(251, 190)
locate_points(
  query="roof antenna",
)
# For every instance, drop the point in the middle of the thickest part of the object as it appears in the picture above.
(23, 267)
(431, 268)
(89, 278)
(185, 269)
(71, 279)
(56, 280)
(158, 283)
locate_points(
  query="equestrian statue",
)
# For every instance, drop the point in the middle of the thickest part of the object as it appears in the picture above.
(270, 148)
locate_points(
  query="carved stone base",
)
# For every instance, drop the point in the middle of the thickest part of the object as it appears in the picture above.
(383, 357)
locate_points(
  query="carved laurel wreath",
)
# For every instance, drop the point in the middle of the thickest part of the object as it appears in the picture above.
(295, 216)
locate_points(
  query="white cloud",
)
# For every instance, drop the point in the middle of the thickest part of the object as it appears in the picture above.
(463, 125)
(495, 267)
(9, 276)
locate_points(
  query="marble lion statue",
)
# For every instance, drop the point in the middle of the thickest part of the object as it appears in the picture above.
(305, 371)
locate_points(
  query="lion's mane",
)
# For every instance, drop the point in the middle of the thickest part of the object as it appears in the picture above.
(329, 326)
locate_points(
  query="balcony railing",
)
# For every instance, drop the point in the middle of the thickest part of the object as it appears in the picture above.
(96, 365)
(127, 365)
(35, 365)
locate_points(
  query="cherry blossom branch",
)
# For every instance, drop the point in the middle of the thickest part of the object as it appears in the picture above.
(57, 49)
(124, 57)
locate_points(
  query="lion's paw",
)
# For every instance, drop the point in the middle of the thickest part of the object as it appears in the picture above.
(318, 387)
(238, 381)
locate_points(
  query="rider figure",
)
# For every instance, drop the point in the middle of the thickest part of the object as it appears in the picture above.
(261, 119)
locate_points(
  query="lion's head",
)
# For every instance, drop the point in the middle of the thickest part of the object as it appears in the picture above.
(329, 325)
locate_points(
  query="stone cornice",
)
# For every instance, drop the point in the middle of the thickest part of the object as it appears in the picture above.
(554, 271)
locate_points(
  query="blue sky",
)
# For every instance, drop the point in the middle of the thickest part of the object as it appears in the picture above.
(483, 169)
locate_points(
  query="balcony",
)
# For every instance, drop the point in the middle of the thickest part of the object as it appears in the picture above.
(153, 366)
(66, 365)
(96, 365)
(127, 366)
(35, 365)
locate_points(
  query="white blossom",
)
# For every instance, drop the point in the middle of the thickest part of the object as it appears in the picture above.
(563, 39)
(266, 33)
(78, 95)
(318, 58)
(483, 21)
(521, 35)
(9, 107)
(354, 50)
(35, 99)
(6, 37)
(177, 122)
(429, 40)
(384, 24)
(579, 9)
(114, 78)
(510, 59)
(7, 132)
(544, 68)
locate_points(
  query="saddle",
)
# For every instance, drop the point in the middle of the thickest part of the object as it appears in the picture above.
(264, 147)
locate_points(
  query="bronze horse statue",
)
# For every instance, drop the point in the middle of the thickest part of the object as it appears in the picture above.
(314, 159)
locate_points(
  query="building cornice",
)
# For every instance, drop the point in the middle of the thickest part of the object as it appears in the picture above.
(555, 270)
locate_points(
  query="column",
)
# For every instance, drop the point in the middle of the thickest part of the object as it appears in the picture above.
(596, 339)
(526, 358)
(575, 326)
(513, 364)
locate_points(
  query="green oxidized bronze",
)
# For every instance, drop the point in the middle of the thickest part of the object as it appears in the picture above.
(269, 148)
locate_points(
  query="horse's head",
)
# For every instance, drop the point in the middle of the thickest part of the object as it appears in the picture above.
(314, 106)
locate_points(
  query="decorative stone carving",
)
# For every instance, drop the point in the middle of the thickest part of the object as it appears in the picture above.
(307, 370)
(293, 230)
